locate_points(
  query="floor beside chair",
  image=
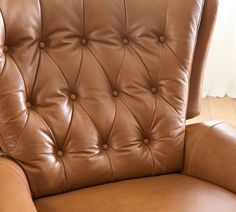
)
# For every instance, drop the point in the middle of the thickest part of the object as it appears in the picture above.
(176, 192)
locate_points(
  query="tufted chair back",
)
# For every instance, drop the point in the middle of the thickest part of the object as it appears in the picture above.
(95, 91)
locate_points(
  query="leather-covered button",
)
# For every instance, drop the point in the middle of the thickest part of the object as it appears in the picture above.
(162, 39)
(125, 41)
(5, 48)
(42, 45)
(105, 147)
(28, 105)
(154, 90)
(60, 153)
(73, 97)
(146, 141)
(115, 93)
(83, 41)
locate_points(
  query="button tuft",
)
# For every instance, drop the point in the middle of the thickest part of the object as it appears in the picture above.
(5, 48)
(125, 41)
(105, 147)
(146, 141)
(42, 45)
(28, 105)
(162, 39)
(154, 90)
(115, 93)
(83, 41)
(60, 153)
(73, 97)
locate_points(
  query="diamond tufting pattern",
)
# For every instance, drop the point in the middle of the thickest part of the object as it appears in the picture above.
(88, 86)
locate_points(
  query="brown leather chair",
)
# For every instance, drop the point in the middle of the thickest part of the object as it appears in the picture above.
(94, 95)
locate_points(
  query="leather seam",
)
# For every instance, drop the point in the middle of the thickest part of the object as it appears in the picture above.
(164, 100)
(36, 75)
(149, 131)
(99, 63)
(175, 56)
(65, 172)
(60, 70)
(139, 46)
(84, 20)
(157, 78)
(121, 69)
(39, 60)
(112, 172)
(167, 6)
(125, 13)
(18, 68)
(23, 130)
(129, 110)
(153, 116)
(69, 127)
(153, 160)
(162, 48)
(46, 123)
(87, 114)
(41, 17)
(113, 123)
(80, 67)
(149, 75)
(197, 144)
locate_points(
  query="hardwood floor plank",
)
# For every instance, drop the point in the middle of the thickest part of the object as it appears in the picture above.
(220, 109)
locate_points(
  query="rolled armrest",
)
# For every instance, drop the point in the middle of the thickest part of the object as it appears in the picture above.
(15, 194)
(210, 153)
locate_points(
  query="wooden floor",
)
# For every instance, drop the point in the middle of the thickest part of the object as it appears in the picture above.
(221, 109)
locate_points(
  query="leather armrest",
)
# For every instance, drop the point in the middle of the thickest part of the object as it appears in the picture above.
(210, 153)
(14, 189)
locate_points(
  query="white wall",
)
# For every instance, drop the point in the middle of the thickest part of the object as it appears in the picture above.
(220, 75)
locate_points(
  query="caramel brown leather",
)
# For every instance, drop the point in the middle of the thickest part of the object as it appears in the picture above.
(204, 35)
(94, 93)
(168, 193)
(210, 153)
(15, 193)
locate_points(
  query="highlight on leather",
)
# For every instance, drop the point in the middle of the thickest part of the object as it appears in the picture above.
(93, 93)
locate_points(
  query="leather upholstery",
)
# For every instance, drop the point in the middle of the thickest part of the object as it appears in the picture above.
(15, 193)
(93, 93)
(204, 35)
(210, 153)
(168, 193)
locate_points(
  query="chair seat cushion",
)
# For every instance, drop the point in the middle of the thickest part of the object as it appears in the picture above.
(174, 192)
